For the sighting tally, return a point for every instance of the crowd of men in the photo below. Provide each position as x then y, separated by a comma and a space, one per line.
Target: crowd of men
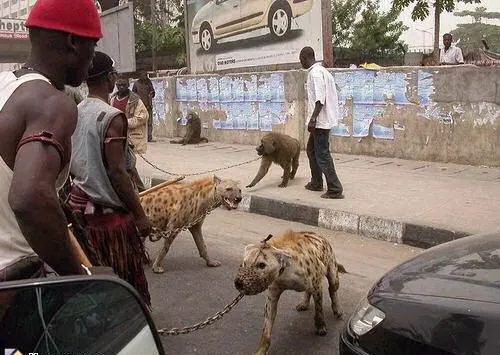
57, 143
86, 153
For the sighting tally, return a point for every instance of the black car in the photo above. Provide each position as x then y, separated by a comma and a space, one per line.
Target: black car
444, 301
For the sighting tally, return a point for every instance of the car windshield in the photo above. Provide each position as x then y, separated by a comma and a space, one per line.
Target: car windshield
475, 259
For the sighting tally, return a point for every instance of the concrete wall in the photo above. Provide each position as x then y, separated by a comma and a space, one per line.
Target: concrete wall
448, 114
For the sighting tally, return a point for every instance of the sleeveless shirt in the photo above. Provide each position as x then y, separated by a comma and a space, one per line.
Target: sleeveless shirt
13, 245
87, 163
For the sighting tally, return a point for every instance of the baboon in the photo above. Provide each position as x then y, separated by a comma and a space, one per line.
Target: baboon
193, 131
280, 149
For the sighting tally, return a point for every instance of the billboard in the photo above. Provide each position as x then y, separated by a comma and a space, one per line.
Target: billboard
13, 28
231, 34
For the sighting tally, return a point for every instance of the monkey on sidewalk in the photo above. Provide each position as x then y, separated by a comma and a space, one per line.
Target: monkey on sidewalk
280, 149
193, 131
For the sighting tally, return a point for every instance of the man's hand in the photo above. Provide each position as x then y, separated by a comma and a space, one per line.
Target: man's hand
143, 226
311, 126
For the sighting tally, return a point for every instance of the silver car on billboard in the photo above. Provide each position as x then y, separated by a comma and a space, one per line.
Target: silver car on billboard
224, 18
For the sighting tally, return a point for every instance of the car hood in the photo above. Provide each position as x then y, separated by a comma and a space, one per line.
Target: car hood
467, 268
204, 14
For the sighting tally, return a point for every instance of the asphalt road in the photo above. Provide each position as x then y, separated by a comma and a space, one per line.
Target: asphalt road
189, 292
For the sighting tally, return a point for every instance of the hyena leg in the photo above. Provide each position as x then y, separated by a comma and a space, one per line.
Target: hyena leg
157, 268
270, 311
304, 305
200, 244
319, 318
332, 276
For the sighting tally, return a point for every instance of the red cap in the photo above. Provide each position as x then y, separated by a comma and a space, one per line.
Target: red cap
79, 17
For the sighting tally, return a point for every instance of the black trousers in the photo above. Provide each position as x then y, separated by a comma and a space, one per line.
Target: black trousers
321, 162
150, 125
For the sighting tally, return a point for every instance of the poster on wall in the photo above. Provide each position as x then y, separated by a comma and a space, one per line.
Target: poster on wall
230, 34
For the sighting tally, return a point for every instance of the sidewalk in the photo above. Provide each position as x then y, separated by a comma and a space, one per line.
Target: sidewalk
402, 201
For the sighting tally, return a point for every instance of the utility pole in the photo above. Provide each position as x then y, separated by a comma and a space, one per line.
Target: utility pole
153, 40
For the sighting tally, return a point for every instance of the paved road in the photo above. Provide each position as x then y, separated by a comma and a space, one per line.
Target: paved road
189, 292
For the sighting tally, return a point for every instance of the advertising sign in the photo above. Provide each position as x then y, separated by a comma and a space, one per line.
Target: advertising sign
230, 34
11, 28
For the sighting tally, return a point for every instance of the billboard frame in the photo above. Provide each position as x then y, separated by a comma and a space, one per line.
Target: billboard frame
326, 25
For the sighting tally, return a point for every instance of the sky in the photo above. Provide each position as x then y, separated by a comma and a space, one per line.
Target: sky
416, 38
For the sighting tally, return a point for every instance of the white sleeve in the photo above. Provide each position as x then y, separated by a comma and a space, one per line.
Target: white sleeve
318, 87
459, 56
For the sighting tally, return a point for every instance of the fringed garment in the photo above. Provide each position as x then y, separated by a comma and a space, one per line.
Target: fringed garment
114, 241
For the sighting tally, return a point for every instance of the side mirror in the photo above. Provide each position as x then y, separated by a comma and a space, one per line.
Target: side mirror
75, 315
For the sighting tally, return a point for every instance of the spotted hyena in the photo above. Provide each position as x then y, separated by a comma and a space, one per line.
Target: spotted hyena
180, 204
293, 261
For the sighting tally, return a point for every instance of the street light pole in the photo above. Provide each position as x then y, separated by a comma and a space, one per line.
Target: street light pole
153, 34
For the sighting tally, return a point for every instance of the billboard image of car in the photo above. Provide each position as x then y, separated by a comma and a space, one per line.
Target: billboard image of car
227, 34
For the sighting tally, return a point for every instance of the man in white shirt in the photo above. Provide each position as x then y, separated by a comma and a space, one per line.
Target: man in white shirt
322, 102
450, 55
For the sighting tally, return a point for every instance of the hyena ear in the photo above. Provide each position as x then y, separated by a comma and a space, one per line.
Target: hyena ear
217, 180
282, 256
250, 247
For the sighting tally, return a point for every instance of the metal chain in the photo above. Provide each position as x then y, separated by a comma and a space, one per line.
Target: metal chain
200, 173
158, 234
201, 325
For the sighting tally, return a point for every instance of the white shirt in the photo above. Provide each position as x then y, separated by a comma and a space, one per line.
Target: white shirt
452, 56
321, 87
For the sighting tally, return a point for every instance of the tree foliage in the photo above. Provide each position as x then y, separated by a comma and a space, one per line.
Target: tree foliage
378, 33
478, 14
421, 8
471, 35
344, 13
167, 27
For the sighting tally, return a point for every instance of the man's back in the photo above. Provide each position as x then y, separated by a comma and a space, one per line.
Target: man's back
321, 87
88, 167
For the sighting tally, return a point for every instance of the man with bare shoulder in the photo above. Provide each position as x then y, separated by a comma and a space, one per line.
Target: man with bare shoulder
37, 120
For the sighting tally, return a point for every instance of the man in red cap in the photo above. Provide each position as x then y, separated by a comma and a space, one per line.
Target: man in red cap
37, 120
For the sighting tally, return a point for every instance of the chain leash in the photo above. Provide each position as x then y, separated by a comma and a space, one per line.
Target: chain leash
201, 325
157, 234
200, 173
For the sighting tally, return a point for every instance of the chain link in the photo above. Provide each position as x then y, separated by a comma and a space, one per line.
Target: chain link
157, 234
200, 173
201, 325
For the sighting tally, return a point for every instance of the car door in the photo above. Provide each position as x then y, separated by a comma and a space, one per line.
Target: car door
253, 13
227, 17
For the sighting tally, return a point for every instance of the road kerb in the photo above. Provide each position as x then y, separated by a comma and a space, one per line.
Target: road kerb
368, 226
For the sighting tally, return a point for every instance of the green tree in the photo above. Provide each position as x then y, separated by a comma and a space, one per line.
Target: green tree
344, 13
471, 35
478, 14
377, 33
421, 10
160, 30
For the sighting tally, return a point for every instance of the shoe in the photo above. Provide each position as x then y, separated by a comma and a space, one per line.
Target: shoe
333, 195
312, 187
